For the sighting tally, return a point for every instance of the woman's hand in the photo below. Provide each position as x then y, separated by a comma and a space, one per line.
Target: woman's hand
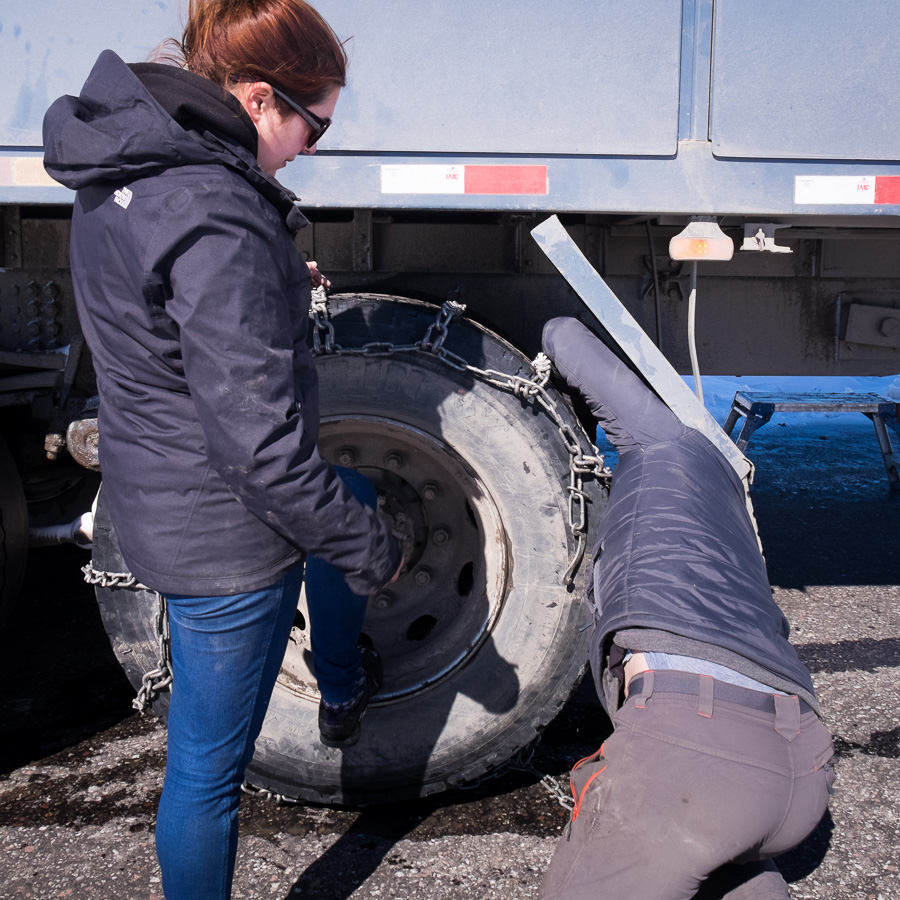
318, 279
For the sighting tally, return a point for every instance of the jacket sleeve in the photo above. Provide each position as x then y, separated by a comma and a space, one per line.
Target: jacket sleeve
237, 297
627, 409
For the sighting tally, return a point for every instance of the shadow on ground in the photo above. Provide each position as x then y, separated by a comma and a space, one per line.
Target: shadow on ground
60, 682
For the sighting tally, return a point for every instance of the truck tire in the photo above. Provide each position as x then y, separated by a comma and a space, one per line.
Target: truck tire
480, 638
13, 533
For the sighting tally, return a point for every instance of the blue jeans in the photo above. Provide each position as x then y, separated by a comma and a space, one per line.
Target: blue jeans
226, 654
336, 614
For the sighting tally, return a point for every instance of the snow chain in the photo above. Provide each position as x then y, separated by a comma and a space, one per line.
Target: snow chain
528, 389
156, 680
277, 799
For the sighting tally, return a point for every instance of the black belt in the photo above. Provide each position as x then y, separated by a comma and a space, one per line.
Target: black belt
669, 682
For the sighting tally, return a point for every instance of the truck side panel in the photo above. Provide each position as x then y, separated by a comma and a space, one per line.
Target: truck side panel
806, 80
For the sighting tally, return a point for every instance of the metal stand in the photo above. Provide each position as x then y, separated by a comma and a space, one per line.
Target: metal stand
757, 408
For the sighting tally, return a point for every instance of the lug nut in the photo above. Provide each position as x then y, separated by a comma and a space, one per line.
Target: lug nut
440, 535
383, 600
422, 577
393, 461
346, 456
429, 490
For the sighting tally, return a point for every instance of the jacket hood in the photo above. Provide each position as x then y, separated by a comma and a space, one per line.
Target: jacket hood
132, 121
115, 130
198, 105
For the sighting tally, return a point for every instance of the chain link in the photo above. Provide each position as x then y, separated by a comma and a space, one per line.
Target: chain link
124, 580
324, 329
157, 680
541, 365
534, 389
441, 326
559, 789
266, 794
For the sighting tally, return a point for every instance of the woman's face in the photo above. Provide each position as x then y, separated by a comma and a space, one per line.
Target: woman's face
282, 136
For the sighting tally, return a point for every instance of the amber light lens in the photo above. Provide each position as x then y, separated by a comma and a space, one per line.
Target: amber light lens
701, 248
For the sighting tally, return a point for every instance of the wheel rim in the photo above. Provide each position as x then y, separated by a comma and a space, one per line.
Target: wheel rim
434, 618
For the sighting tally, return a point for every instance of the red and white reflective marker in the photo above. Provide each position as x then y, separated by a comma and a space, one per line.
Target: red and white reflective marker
435, 179
847, 190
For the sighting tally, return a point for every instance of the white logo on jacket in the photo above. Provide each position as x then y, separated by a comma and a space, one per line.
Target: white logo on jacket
123, 197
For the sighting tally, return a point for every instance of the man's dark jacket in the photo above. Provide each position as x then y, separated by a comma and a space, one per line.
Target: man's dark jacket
677, 563
194, 302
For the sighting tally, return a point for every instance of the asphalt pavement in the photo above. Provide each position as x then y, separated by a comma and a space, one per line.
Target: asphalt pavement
80, 773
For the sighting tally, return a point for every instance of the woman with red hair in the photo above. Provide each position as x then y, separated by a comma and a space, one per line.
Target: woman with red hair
195, 301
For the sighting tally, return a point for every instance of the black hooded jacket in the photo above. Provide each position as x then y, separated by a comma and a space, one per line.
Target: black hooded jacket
195, 303
677, 565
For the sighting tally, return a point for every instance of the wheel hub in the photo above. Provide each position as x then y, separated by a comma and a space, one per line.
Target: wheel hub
437, 614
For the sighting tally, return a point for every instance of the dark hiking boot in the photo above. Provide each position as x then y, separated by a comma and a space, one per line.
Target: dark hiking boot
339, 726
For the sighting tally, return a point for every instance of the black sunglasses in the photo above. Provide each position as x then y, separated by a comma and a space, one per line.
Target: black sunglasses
318, 125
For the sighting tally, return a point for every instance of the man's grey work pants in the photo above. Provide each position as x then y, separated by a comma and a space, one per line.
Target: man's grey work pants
691, 786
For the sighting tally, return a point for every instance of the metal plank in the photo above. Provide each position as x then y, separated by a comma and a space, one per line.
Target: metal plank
562, 251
